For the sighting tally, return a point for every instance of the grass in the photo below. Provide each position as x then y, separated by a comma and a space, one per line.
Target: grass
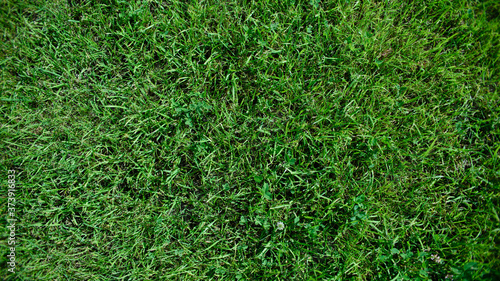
167, 140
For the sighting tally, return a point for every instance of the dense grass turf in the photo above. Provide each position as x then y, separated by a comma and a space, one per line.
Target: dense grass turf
238, 140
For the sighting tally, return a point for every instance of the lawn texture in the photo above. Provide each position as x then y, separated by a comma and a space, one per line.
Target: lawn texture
251, 140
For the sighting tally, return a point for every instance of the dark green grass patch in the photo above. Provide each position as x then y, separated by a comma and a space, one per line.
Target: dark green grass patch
240, 140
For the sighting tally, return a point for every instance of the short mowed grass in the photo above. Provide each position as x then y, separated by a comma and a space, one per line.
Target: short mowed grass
165, 140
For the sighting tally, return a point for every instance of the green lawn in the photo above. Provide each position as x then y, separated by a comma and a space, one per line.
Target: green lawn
250, 140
